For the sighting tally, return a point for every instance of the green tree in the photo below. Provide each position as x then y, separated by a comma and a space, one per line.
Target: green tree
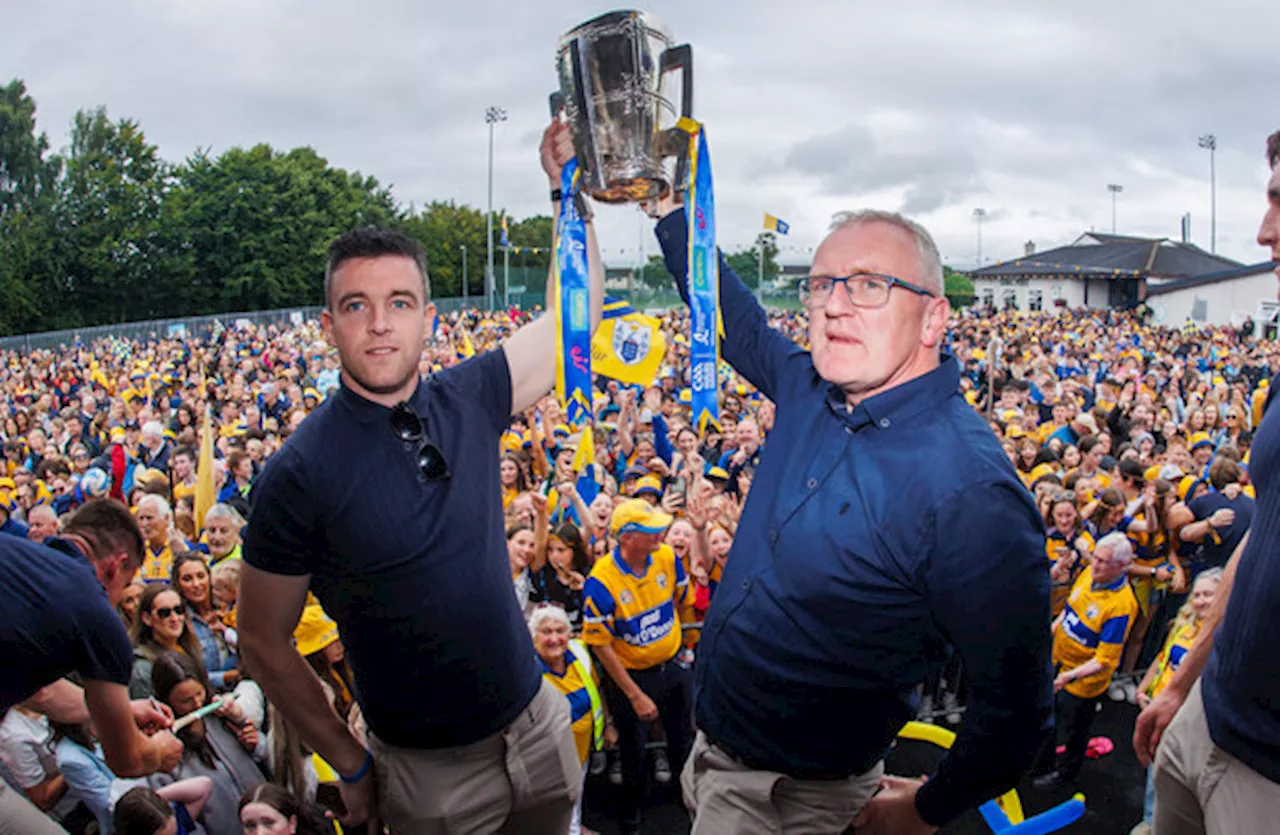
746, 262
957, 287
248, 230
28, 234
444, 228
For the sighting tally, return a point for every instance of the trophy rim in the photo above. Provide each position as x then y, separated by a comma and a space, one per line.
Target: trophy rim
646, 19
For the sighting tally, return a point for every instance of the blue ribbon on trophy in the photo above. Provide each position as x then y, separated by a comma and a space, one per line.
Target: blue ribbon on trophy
573, 316
704, 281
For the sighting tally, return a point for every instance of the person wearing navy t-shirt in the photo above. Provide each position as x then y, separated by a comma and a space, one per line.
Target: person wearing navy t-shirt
1214, 731
386, 502
58, 600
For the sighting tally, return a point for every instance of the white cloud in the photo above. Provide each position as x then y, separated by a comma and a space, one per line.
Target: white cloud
1028, 110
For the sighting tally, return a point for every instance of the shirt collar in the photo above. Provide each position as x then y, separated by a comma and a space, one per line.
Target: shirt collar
902, 401
569, 660
366, 411
625, 568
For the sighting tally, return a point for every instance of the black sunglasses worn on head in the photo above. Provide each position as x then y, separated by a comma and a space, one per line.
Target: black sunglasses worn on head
411, 429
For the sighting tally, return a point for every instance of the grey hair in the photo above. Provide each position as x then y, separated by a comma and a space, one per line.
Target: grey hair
545, 613
225, 511
153, 429
1119, 546
926, 248
162, 506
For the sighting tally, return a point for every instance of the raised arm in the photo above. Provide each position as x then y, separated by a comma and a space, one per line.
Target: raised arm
531, 350
752, 347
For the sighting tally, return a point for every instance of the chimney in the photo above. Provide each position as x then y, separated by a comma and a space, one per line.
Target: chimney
1186, 228
1029, 248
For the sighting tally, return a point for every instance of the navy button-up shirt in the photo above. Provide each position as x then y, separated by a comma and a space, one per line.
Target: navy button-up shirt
873, 540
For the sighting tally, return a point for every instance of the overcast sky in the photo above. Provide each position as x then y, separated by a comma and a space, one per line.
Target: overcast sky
934, 108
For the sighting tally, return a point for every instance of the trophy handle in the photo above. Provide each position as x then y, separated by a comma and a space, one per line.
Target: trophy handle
681, 58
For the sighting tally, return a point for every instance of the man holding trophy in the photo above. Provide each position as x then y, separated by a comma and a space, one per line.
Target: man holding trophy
885, 526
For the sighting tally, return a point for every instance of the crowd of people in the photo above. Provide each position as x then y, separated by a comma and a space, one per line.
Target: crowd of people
1134, 441
297, 527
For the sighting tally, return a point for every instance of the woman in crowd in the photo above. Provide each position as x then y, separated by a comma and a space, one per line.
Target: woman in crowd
217, 642
559, 564
128, 605
318, 642
513, 479
567, 664
222, 526
1067, 545
224, 746
520, 543
268, 809
161, 626
143, 811
1182, 635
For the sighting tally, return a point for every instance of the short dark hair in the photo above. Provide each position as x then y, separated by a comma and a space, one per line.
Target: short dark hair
1273, 149
373, 242
108, 527
141, 812
1223, 471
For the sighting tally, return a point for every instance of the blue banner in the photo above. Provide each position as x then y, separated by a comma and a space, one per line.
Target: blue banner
704, 281
573, 316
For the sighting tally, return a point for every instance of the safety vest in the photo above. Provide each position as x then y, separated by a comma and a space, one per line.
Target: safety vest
582, 662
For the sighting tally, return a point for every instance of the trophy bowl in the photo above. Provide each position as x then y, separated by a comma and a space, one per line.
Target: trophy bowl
613, 72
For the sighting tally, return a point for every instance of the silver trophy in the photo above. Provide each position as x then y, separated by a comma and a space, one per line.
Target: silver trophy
612, 72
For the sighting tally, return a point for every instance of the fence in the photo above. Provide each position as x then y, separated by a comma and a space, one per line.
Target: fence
200, 327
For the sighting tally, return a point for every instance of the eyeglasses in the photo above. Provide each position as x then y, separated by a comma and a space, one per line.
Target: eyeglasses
864, 289
410, 429
163, 613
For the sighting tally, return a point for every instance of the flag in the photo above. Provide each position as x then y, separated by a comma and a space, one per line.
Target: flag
466, 350
628, 346
773, 224
205, 493
504, 229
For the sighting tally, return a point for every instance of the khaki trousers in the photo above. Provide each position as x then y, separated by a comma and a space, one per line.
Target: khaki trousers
724, 795
1201, 789
524, 779
19, 817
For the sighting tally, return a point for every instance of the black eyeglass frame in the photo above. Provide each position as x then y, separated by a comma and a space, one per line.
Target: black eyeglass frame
805, 294
409, 427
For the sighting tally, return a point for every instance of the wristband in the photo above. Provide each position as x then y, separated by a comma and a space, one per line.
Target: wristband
364, 769
556, 195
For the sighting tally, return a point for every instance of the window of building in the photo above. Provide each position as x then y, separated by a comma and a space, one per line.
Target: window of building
1035, 300
1010, 298
988, 297
1200, 310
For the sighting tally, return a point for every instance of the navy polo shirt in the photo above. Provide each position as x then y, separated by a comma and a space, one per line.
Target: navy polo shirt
415, 573
1240, 686
871, 541
57, 620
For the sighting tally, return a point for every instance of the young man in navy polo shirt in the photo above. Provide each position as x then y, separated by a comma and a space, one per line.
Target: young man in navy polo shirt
386, 503
1215, 738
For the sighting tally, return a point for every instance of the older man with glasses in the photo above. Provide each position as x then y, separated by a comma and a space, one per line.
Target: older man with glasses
885, 529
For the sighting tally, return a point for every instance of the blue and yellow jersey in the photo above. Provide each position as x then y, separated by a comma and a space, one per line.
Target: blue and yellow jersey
573, 687
1149, 548
1095, 624
1055, 540
638, 614
157, 565
1175, 649
713, 578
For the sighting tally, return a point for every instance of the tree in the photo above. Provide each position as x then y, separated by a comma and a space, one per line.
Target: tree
746, 262
957, 287
444, 228
249, 230
28, 237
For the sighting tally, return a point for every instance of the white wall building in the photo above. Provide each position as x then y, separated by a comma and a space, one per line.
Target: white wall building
1225, 298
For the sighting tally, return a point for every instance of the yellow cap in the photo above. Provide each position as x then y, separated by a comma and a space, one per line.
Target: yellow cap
314, 631
638, 516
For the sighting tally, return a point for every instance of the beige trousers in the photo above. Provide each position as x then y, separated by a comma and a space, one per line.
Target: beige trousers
19, 817
1203, 790
723, 795
524, 779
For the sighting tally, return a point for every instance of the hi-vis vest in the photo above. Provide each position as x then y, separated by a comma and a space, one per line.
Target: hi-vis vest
582, 662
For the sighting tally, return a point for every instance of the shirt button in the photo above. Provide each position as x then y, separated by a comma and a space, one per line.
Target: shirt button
848, 430
813, 482
746, 585
884, 423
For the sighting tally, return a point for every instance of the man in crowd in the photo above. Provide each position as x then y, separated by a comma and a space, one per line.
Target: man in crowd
154, 450
42, 522
1215, 738
1088, 641
845, 580
634, 604
413, 566
59, 618
1223, 517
